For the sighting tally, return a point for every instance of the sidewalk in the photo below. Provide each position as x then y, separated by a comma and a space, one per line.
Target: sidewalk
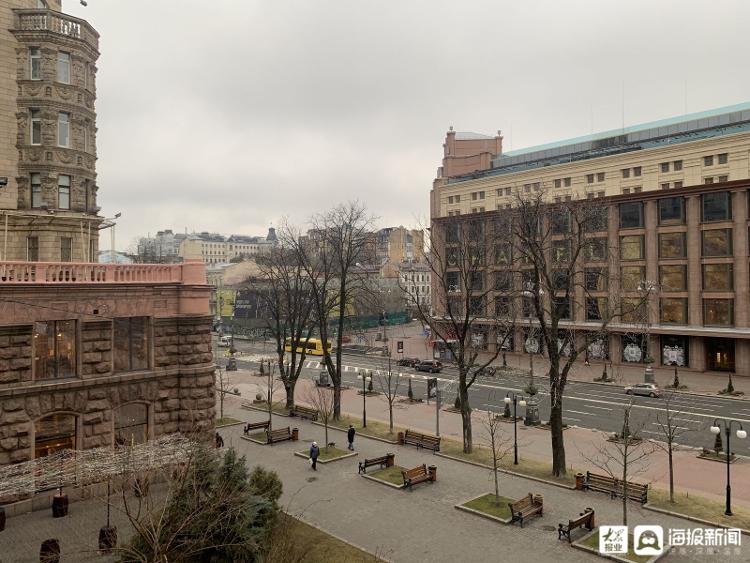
692, 475
416, 345
423, 525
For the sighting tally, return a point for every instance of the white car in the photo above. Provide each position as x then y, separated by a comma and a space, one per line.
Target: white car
646, 389
225, 341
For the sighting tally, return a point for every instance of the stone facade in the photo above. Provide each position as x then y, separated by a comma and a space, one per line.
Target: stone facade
48, 159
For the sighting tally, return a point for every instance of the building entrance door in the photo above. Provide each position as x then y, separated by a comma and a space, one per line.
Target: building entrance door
720, 354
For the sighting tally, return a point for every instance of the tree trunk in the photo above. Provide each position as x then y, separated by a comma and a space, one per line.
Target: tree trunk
558, 444
625, 489
390, 414
671, 473
326, 426
289, 389
465, 416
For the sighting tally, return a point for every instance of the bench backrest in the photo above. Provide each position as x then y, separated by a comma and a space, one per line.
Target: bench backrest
280, 432
374, 460
522, 503
415, 472
585, 517
421, 437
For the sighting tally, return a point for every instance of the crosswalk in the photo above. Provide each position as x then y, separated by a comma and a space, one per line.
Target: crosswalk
312, 364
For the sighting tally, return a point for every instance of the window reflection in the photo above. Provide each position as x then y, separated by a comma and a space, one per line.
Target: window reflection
131, 343
54, 349
131, 424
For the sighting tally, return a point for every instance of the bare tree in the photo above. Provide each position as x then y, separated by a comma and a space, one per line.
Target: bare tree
284, 288
623, 457
565, 272
389, 383
322, 399
338, 241
222, 386
499, 447
666, 420
270, 386
461, 291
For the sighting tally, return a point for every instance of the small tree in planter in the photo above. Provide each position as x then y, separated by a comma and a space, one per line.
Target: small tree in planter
322, 399
718, 446
499, 446
410, 393
369, 385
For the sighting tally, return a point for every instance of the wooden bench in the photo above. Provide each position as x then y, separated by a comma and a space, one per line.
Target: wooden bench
415, 475
304, 412
382, 461
614, 487
525, 507
279, 435
256, 426
585, 519
422, 440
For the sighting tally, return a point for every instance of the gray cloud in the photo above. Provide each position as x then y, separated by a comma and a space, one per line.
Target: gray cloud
226, 115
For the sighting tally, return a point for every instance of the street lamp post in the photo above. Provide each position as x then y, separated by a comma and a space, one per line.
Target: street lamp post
366, 378
518, 400
646, 288
741, 434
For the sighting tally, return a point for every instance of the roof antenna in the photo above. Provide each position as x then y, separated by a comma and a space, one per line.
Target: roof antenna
623, 106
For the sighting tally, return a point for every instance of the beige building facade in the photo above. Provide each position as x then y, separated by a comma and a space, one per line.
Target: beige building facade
48, 191
399, 244
675, 195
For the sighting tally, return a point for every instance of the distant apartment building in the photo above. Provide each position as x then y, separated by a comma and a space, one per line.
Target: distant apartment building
399, 244
213, 248
415, 281
675, 198
162, 248
91, 355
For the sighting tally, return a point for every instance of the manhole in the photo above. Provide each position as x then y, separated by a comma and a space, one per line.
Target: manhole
549, 528
311, 479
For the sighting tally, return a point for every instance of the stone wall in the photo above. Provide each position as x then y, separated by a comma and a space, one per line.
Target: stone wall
15, 354
96, 348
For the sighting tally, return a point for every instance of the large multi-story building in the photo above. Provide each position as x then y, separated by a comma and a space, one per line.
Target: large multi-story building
676, 200
90, 354
48, 190
399, 244
213, 248
162, 248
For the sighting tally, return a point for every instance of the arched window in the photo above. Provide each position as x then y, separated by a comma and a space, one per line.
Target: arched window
131, 424
53, 433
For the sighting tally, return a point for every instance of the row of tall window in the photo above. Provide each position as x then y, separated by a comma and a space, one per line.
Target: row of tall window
63, 192
715, 207
66, 249
63, 67
63, 129
55, 347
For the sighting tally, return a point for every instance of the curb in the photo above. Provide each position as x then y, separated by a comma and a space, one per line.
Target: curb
254, 408
480, 513
647, 506
371, 478
339, 538
229, 424
693, 393
577, 545
304, 456
508, 472
253, 440
370, 436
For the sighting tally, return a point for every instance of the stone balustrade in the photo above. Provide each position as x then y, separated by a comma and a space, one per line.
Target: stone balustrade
14, 273
56, 22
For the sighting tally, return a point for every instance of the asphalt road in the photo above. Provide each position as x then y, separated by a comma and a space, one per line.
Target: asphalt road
588, 405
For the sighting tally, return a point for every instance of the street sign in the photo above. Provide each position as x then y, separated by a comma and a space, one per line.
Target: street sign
400, 346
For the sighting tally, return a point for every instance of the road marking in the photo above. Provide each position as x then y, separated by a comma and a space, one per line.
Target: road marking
673, 427
595, 407
579, 412
570, 418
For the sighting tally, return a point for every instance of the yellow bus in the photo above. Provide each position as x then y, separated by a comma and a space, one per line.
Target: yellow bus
311, 346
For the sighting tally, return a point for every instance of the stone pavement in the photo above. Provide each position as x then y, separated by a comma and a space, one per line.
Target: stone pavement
692, 475
423, 525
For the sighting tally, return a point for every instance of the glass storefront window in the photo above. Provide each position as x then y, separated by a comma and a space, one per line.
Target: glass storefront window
633, 348
633, 310
131, 424
596, 308
632, 276
631, 247
672, 245
673, 278
674, 351
597, 220
596, 249
596, 279
717, 242
131, 343
54, 349
631, 215
718, 312
561, 250
719, 354
674, 310
672, 211
716, 207
54, 433
718, 277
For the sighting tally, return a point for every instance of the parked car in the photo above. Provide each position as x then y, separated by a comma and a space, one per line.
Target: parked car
433, 366
225, 341
647, 389
410, 362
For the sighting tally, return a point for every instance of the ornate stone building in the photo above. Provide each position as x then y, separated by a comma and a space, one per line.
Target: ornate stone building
48, 191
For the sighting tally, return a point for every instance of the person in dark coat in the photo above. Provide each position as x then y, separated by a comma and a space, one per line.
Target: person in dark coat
314, 453
350, 437
219, 441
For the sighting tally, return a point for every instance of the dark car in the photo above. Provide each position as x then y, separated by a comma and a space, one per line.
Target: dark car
410, 362
433, 366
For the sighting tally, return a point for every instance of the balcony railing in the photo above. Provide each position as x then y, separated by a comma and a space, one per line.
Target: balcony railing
56, 22
15, 273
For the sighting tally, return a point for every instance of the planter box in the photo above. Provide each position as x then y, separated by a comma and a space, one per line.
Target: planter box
721, 458
323, 462
615, 557
462, 506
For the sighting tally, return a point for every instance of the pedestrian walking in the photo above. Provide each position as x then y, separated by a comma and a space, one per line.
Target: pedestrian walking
314, 453
350, 437
219, 441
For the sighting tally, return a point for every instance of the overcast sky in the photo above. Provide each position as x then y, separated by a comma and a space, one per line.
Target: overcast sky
227, 115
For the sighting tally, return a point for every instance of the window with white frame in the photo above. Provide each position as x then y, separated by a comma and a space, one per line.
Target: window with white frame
63, 191
63, 67
36, 126
63, 129
36, 189
35, 63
